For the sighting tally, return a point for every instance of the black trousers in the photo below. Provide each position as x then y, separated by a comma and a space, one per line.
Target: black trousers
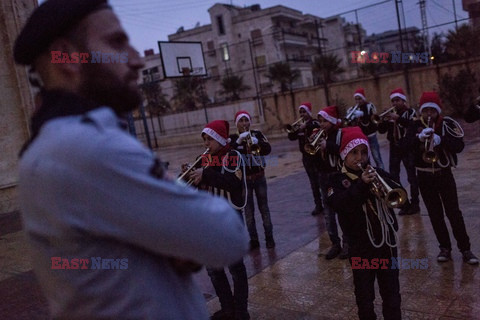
397, 156
439, 192
311, 167
388, 284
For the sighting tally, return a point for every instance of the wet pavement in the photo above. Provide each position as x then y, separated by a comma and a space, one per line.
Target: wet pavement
291, 281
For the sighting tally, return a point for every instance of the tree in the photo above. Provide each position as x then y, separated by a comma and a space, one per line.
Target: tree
157, 103
458, 91
282, 73
438, 48
327, 66
233, 85
188, 92
462, 43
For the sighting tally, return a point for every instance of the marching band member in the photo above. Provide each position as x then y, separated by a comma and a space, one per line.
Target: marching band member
224, 175
309, 162
362, 113
436, 140
395, 124
329, 162
253, 145
369, 224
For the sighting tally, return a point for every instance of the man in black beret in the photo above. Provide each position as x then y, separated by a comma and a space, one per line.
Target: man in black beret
113, 236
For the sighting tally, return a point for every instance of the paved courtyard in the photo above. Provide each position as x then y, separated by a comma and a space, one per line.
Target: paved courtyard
291, 281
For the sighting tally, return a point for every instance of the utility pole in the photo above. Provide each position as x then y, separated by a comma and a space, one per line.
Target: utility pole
405, 66
426, 38
320, 51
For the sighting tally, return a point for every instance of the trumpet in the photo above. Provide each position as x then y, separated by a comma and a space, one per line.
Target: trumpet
253, 147
350, 117
394, 198
429, 155
313, 147
377, 118
192, 168
294, 127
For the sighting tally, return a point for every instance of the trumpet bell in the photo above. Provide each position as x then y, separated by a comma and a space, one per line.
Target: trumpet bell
310, 149
429, 156
396, 198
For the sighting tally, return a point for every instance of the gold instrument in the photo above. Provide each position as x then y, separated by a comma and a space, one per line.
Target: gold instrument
294, 127
377, 118
429, 155
253, 147
313, 147
192, 167
350, 117
394, 198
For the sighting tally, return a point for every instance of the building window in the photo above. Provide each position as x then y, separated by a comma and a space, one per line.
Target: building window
225, 54
256, 36
211, 48
221, 27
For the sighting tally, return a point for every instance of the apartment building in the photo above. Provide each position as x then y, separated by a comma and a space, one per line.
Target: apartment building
245, 41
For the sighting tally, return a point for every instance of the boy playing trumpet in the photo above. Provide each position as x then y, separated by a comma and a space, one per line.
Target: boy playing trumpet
369, 223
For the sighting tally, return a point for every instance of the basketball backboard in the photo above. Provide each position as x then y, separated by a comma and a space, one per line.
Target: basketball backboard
181, 59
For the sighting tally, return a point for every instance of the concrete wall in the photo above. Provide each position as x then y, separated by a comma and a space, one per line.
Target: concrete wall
279, 109
16, 102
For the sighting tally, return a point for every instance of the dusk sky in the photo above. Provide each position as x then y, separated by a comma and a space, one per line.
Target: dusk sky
149, 21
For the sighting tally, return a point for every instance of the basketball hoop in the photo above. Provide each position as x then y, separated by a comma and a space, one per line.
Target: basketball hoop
186, 71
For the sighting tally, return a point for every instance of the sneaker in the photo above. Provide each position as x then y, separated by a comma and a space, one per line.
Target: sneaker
223, 315
270, 242
469, 257
444, 255
344, 254
333, 252
414, 209
254, 244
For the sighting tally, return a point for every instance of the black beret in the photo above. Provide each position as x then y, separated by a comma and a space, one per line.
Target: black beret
51, 20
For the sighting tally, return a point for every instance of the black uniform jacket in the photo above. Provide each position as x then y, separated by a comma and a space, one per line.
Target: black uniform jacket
350, 197
365, 122
303, 135
220, 181
401, 125
257, 164
330, 159
451, 144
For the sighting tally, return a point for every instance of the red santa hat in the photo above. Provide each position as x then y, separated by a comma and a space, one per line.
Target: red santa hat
307, 106
240, 114
330, 114
430, 100
398, 93
351, 138
218, 130
360, 92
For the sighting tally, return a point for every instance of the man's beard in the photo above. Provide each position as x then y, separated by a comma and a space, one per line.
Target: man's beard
101, 86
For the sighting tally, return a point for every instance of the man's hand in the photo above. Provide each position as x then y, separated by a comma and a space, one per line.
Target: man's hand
426, 133
195, 176
368, 175
242, 137
358, 113
392, 116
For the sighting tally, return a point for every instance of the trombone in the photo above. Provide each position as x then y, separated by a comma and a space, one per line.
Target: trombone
377, 118
429, 155
253, 147
294, 127
394, 198
313, 147
191, 168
